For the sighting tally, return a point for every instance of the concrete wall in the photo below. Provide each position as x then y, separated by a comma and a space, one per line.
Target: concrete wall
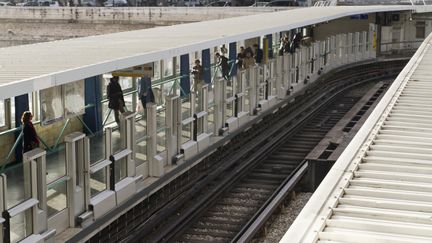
25, 32
147, 15
19, 25
342, 25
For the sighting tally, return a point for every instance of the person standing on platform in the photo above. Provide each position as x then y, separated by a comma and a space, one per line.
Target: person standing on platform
197, 71
240, 57
223, 63
145, 92
115, 98
30, 138
258, 54
248, 61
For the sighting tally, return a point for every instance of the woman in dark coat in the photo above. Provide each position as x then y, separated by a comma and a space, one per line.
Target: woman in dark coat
115, 98
30, 139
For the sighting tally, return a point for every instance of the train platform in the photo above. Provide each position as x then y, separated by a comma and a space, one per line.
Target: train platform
380, 188
97, 180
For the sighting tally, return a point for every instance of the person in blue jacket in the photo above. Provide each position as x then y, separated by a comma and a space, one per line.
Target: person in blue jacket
145, 92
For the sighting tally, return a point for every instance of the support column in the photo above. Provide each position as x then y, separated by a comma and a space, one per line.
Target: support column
93, 96
219, 102
77, 202
21, 105
173, 131
152, 140
280, 89
184, 73
253, 74
233, 58
206, 64
269, 51
35, 189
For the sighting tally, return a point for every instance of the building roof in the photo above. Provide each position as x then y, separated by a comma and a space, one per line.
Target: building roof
28, 68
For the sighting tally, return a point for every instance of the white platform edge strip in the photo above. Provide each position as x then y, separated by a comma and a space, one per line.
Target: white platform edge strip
311, 219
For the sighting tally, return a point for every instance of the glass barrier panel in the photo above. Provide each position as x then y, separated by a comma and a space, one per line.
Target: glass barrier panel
97, 147
120, 169
261, 92
229, 89
186, 107
126, 82
56, 164
160, 133
19, 226
118, 141
141, 151
15, 187
2, 113
98, 182
186, 133
210, 118
229, 110
56, 196
129, 102
140, 128
160, 140
168, 87
105, 112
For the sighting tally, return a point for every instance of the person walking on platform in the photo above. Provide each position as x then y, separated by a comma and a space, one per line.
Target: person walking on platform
30, 138
258, 54
284, 46
197, 71
223, 64
115, 98
145, 92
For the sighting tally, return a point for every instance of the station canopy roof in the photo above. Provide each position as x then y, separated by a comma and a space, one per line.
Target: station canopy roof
27, 68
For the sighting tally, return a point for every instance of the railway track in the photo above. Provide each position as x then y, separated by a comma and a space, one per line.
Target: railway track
165, 220
223, 220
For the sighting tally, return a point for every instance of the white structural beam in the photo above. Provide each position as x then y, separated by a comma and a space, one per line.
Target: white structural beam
28, 68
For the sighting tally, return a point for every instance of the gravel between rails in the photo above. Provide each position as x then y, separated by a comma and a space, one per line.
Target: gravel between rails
284, 218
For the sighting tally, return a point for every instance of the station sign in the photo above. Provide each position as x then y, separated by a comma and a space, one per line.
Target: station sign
136, 72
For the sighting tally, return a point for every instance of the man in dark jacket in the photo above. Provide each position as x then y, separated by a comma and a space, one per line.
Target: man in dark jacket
223, 63
258, 54
115, 98
197, 71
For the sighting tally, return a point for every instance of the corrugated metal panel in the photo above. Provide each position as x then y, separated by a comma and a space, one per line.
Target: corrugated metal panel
384, 193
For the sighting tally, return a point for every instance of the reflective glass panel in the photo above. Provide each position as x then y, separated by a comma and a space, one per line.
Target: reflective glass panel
168, 67
108, 114
129, 102
19, 227
141, 151
186, 133
126, 82
120, 170
98, 182
56, 197
229, 110
16, 185
97, 147
2, 113
118, 140
186, 107
210, 118
56, 164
